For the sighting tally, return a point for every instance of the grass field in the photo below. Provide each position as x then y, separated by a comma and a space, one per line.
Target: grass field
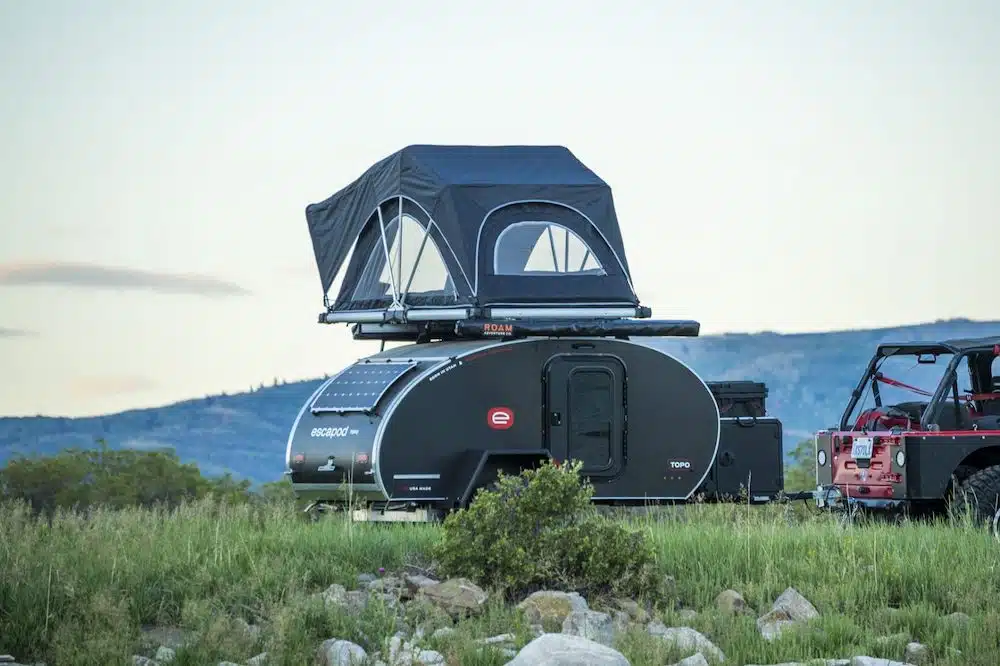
79, 589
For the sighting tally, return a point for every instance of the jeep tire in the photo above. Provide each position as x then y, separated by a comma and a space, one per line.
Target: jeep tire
978, 496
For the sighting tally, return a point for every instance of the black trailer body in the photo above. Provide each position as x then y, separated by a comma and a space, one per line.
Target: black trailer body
644, 425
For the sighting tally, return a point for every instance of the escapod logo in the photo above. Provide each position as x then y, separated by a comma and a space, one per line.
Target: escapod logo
500, 418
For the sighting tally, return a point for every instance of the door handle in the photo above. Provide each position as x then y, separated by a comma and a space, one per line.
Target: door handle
555, 418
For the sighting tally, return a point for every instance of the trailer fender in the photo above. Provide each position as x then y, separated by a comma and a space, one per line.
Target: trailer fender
510, 461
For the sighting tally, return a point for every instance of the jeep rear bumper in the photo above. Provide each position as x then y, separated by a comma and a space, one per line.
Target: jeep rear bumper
830, 496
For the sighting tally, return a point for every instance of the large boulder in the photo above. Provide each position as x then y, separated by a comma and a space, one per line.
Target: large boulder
336, 652
550, 608
458, 597
685, 639
595, 625
567, 650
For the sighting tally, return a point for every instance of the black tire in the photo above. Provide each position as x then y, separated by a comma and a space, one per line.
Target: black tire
978, 497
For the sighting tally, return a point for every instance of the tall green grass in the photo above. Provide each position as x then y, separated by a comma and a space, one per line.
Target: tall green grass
77, 589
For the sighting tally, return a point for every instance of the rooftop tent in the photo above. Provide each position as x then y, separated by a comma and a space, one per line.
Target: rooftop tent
446, 229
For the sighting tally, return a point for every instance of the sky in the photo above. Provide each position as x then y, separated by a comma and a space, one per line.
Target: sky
783, 166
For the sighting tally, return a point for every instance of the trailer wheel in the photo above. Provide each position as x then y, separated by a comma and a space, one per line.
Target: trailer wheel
978, 496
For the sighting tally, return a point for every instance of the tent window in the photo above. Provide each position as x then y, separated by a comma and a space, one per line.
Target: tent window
414, 266
543, 248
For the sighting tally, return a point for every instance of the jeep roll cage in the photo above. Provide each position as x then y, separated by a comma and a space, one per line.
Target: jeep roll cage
984, 385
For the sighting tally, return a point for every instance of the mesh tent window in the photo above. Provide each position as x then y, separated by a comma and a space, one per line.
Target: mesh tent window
543, 248
405, 262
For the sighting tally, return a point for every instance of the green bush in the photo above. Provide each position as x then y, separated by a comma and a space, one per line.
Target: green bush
116, 478
539, 530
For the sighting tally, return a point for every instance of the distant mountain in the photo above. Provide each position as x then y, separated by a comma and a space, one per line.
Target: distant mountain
809, 378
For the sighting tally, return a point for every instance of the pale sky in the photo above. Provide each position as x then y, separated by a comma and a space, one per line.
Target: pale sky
776, 165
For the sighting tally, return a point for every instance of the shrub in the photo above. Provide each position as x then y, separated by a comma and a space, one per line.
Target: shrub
113, 478
539, 530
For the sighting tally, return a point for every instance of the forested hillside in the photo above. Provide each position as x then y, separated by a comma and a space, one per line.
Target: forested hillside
809, 377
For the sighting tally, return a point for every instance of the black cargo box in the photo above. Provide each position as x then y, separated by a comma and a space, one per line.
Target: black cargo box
740, 399
750, 456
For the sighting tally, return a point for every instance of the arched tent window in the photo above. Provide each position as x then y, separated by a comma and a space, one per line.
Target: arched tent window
412, 266
546, 253
543, 248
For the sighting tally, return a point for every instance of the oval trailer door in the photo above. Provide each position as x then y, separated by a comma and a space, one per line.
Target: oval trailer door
585, 412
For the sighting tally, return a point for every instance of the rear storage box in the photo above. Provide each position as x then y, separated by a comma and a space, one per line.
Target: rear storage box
740, 399
750, 456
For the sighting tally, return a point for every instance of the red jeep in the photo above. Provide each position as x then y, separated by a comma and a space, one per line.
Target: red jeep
922, 428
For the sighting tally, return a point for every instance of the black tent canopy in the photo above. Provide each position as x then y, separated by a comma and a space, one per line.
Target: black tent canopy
452, 231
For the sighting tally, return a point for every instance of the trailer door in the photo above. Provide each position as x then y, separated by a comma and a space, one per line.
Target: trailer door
585, 407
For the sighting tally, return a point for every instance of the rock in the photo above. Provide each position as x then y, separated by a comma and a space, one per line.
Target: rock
687, 614
429, 658
164, 655
259, 660
500, 639
697, 659
456, 596
172, 637
550, 608
771, 623
139, 660
916, 653
366, 579
390, 584
402, 653
227, 663
957, 618
595, 625
789, 608
621, 622
876, 661
335, 594
685, 639
634, 610
443, 632
336, 652
731, 602
536, 629
416, 582
567, 650
425, 615
799, 608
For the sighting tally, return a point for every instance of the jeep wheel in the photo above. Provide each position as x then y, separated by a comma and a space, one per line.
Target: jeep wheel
978, 497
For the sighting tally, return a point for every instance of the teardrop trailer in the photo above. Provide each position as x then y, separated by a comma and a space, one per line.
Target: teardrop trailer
502, 271
916, 457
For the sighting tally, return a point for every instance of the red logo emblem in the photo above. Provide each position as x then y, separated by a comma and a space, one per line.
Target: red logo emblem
500, 418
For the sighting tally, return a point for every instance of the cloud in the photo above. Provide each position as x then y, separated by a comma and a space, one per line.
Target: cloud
111, 385
16, 333
95, 276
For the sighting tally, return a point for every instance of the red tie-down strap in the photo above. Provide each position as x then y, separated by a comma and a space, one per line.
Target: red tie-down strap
981, 397
977, 397
892, 382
